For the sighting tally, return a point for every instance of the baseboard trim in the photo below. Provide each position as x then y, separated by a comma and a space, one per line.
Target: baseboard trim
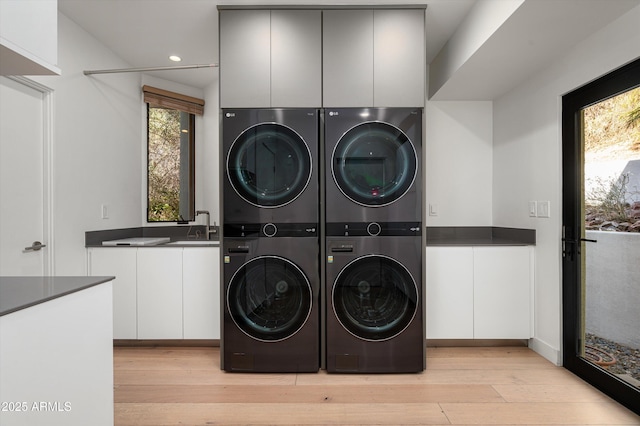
546, 350
433, 343
167, 342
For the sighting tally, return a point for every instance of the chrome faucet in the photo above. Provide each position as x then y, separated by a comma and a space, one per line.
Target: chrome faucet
207, 223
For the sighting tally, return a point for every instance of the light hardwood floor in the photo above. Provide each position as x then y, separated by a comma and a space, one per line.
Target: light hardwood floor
461, 386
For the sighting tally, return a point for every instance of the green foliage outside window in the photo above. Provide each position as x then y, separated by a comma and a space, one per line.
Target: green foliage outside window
164, 165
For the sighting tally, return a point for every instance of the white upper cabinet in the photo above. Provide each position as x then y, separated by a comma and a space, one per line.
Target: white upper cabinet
399, 54
296, 61
270, 58
374, 58
29, 37
245, 52
347, 58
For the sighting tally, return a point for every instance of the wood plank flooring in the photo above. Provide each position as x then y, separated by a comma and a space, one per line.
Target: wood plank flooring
461, 386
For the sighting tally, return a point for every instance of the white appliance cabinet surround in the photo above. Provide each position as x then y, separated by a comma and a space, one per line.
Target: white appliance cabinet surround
29, 37
373, 58
322, 58
162, 292
479, 292
270, 58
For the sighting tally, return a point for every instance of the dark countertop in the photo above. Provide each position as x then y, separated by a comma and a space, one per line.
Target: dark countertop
17, 293
187, 233
479, 236
183, 236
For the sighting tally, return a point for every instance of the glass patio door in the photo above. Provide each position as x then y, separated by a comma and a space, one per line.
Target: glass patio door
601, 233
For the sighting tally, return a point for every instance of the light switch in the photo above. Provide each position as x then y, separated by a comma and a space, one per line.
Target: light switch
533, 209
544, 209
433, 210
104, 211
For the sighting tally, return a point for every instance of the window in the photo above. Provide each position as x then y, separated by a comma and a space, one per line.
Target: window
170, 155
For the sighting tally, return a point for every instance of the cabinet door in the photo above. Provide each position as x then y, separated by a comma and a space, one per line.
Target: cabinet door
296, 58
29, 37
502, 292
399, 58
347, 56
449, 292
245, 49
120, 263
159, 293
201, 292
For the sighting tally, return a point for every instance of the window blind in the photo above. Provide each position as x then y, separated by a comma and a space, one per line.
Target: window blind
166, 99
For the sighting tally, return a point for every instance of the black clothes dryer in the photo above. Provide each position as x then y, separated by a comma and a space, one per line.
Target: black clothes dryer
271, 314
373, 170
270, 161
375, 317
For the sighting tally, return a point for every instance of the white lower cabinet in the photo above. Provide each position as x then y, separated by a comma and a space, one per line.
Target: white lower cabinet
159, 279
200, 297
120, 263
162, 292
449, 292
502, 282
479, 292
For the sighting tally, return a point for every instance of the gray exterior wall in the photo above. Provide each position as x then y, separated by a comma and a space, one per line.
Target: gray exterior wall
613, 286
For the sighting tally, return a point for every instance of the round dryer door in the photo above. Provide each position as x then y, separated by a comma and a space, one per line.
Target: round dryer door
269, 298
269, 165
375, 298
374, 164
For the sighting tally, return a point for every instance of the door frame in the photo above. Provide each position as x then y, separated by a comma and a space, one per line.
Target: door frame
47, 169
618, 81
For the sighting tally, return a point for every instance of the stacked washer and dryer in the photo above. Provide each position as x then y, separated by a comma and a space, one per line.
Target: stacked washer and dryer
271, 293
368, 304
373, 282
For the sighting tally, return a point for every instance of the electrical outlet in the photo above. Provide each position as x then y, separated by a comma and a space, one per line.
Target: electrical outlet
533, 209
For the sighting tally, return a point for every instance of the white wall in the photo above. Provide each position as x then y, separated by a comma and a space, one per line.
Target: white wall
459, 162
100, 145
208, 163
484, 18
96, 146
527, 158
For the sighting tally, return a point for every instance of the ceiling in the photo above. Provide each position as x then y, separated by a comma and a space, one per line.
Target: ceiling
145, 32
130, 28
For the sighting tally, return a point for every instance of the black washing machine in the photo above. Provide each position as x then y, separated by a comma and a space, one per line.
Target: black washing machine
271, 165
374, 312
271, 314
373, 166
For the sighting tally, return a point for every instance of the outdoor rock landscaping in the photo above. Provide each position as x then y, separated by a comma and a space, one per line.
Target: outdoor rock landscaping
627, 360
598, 220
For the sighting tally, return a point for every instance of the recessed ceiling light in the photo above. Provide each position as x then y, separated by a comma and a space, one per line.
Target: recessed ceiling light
175, 58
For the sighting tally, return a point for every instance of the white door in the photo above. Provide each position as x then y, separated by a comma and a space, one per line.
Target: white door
24, 169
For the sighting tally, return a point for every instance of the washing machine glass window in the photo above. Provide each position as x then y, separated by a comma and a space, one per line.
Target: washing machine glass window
269, 298
374, 164
269, 165
375, 297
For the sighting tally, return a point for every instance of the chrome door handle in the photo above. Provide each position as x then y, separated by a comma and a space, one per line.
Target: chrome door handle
37, 245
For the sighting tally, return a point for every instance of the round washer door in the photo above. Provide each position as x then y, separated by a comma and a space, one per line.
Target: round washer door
374, 164
269, 298
269, 165
375, 297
